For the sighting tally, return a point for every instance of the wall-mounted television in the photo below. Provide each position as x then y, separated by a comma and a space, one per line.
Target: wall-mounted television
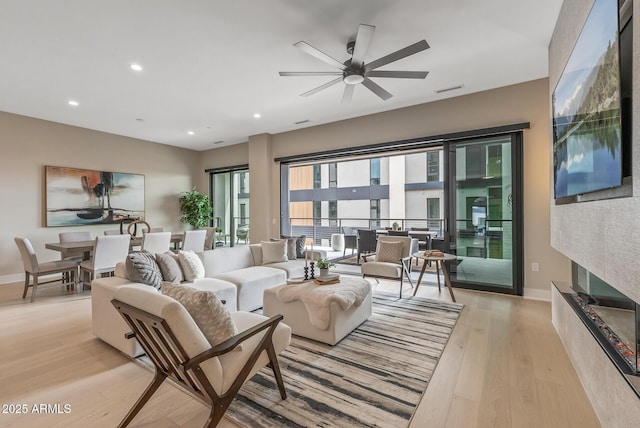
587, 140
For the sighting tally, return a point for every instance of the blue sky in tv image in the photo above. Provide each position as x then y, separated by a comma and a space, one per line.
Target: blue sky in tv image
600, 30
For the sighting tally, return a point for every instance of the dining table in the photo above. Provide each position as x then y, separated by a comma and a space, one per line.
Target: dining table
86, 247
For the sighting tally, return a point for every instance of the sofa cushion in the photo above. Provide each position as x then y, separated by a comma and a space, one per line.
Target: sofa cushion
226, 259
251, 283
208, 312
300, 243
291, 247
274, 252
142, 267
170, 267
191, 264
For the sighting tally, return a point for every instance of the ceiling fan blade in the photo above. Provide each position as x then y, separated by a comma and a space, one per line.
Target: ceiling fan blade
319, 54
399, 54
311, 73
363, 39
321, 87
348, 93
398, 74
376, 89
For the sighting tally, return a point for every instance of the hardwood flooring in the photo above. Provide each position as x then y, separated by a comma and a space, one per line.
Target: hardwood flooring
504, 366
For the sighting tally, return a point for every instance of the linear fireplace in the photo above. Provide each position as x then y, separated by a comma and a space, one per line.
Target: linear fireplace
611, 317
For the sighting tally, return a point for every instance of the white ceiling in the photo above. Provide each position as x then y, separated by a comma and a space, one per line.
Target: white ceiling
209, 65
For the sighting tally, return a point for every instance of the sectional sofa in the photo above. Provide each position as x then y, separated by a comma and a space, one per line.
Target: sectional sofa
236, 274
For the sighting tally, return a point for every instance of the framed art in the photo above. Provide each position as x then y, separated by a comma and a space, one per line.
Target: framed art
77, 197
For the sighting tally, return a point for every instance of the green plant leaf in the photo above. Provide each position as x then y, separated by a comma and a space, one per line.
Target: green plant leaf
195, 208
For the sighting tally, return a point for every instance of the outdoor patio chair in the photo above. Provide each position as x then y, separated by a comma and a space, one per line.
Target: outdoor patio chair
367, 240
350, 239
179, 350
242, 233
391, 260
35, 269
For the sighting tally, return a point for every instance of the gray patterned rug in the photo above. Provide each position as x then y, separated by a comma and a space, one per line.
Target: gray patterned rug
374, 377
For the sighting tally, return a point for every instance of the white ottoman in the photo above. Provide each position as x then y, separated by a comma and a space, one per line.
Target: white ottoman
296, 316
337, 241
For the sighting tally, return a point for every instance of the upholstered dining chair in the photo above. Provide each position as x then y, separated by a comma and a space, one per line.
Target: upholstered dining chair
392, 259
73, 237
34, 269
194, 240
209, 238
156, 242
179, 350
107, 252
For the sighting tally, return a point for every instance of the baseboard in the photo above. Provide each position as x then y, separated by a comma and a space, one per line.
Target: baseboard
534, 294
10, 279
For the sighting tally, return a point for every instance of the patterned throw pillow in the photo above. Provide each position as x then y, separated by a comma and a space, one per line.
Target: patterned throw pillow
300, 240
389, 251
208, 312
274, 252
170, 267
142, 267
191, 265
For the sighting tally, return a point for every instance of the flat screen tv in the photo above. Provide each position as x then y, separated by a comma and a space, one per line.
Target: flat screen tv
587, 144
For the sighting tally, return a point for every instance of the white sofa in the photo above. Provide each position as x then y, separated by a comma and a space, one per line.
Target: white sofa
235, 274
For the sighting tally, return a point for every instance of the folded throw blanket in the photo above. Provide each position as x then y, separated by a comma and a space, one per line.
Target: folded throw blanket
317, 298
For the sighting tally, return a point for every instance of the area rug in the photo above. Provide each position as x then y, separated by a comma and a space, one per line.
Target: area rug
374, 377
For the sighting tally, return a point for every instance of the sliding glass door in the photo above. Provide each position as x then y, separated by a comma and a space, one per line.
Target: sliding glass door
230, 197
484, 219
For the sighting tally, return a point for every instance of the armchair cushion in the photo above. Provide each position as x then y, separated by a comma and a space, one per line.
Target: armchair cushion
170, 267
142, 267
208, 312
191, 264
390, 252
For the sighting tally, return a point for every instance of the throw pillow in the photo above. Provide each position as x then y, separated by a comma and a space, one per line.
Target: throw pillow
389, 251
142, 267
300, 243
274, 252
208, 312
170, 267
191, 265
291, 247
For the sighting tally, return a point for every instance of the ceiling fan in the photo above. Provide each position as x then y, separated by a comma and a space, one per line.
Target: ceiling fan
354, 70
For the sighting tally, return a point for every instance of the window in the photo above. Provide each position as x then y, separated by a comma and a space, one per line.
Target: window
433, 166
374, 171
317, 213
317, 177
374, 213
333, 213
333, 175
433, 213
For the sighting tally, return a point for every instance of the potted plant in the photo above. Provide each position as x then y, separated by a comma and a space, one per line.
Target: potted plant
195, 208
324, 265
395, 225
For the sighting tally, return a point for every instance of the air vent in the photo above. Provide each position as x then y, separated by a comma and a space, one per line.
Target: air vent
301, 122
218, 142
453, 88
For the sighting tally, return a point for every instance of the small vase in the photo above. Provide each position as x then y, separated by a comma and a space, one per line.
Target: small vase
324, 272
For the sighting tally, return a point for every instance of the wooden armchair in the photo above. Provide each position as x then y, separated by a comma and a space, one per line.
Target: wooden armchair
179, 350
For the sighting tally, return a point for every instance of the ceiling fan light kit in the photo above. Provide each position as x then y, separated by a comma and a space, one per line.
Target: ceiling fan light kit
354, 71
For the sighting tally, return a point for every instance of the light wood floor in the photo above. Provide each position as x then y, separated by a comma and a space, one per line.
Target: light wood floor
504, 366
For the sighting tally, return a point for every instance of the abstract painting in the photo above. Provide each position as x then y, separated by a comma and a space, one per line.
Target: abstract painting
83, 196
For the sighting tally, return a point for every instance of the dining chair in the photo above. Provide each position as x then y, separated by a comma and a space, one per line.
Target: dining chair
156, 242
35, 269
194, 240
208, 241
73, 237
107, 252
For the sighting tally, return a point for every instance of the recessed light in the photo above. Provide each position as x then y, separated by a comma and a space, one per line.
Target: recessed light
256, 115
136, 67
73, 103
140, 119
190, 132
